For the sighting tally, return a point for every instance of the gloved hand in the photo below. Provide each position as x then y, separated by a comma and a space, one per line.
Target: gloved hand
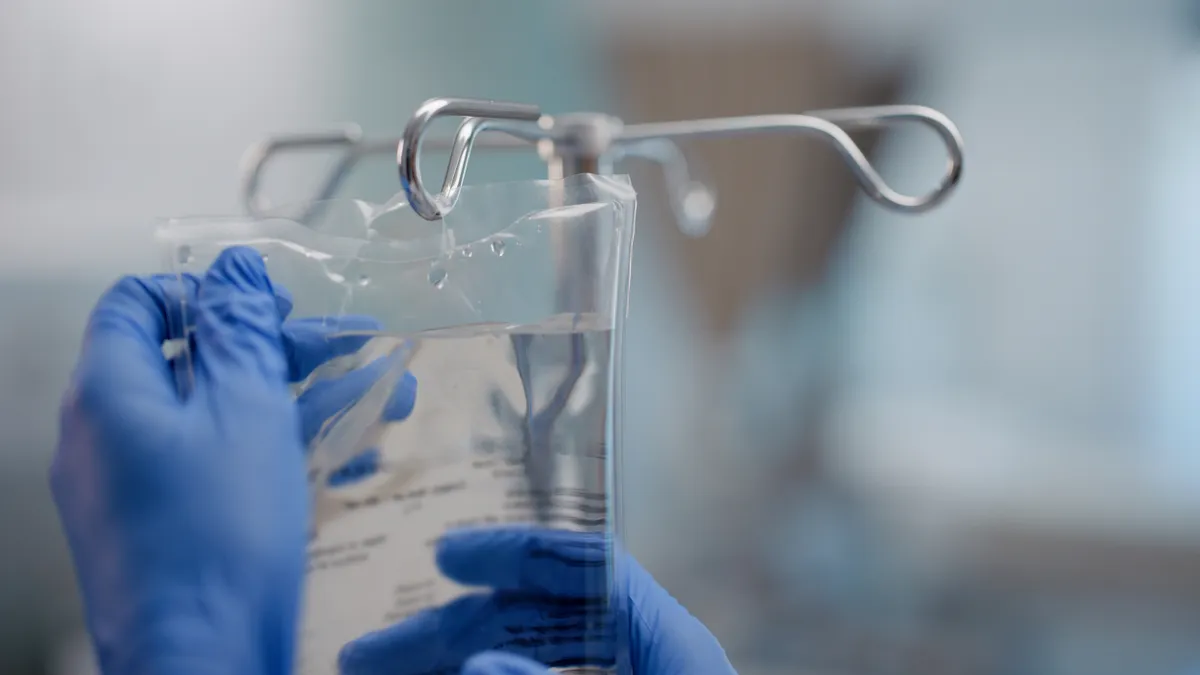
500, 663
187, 516
546, 589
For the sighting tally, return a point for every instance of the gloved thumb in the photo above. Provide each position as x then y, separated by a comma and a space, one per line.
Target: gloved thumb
499, 663
239, 329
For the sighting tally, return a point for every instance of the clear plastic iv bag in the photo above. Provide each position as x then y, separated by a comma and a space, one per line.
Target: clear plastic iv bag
463, 458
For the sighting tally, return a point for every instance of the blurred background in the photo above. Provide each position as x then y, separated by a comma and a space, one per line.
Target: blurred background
857, 442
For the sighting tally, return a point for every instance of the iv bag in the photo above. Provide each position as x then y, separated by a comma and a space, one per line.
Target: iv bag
506, 318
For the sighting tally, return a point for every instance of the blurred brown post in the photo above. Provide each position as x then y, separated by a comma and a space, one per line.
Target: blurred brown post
782, 199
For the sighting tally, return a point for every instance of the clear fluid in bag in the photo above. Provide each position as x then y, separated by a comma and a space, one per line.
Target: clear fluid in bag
511, 426
481, 402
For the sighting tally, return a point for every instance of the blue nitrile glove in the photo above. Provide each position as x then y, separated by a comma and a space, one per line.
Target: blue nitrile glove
500, 663
188, 518
546, 589
308, 347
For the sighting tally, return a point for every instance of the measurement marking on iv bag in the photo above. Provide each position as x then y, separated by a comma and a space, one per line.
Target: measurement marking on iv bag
581, 508
512, 451
532, 454
344, 554
556, 492
447, 488
472, 522
415, 495
408, 589
335, 563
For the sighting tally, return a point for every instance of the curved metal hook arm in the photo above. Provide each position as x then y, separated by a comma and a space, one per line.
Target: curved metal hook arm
692, 201
434, 207
522, 125
832, 125
353, 148
256, 158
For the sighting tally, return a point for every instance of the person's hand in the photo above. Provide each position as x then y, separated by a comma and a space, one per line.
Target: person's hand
545, 606
501, 663
187, 516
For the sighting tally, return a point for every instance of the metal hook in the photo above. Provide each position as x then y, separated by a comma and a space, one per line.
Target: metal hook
354, 147
878, 117
830, 125
256, 157
434, 207
520, 126
692, 201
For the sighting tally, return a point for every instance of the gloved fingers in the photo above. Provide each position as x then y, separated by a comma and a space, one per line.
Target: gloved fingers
357, 469
528, 560
416, 645
313, 341
501, 663
309, 342
183, 310
663, 636
327, 399
122, 352
558, 633
238, 325
283, 300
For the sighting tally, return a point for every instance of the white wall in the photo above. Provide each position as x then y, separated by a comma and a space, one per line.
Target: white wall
120, 111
